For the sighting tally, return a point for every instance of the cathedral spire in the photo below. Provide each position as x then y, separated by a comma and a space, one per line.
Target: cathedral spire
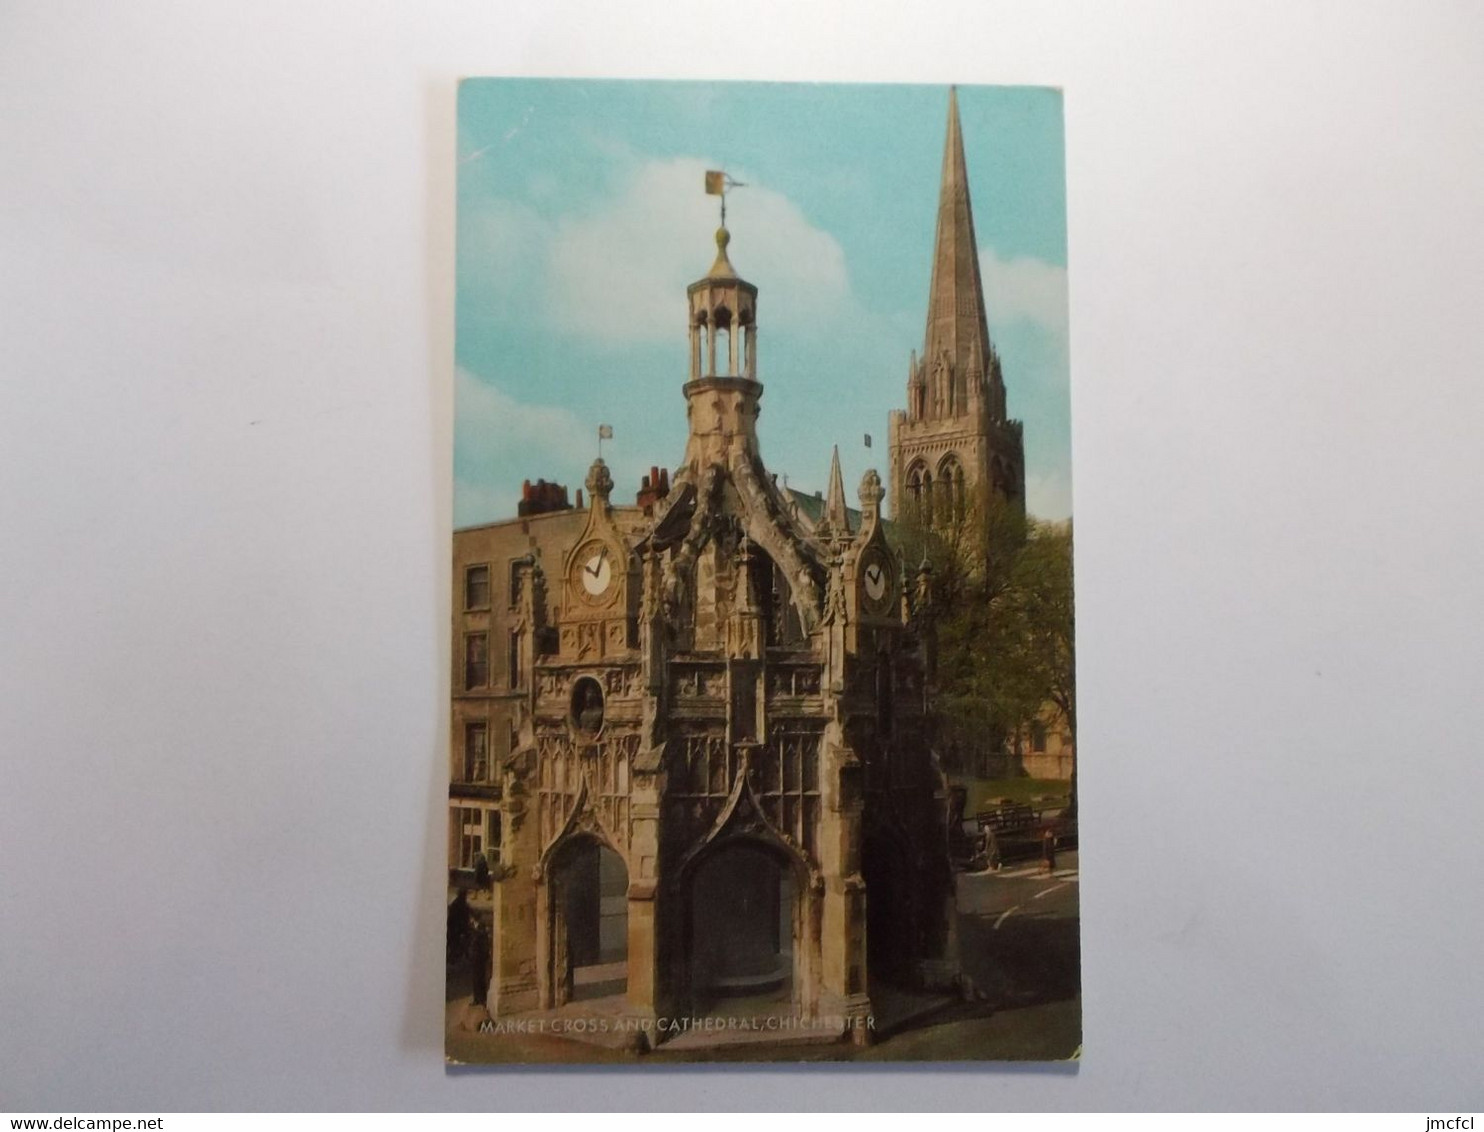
957, 330
954, 443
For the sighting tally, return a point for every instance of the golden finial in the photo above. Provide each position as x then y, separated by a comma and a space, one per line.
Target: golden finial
722, 268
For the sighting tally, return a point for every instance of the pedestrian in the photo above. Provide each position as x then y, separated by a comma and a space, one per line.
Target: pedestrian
1048, 850
459, 919
479, 974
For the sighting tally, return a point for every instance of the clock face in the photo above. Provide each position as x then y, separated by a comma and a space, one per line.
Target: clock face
593, 571
876, 576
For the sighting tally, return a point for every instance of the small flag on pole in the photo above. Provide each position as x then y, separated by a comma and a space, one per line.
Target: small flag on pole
605, 432
868, 440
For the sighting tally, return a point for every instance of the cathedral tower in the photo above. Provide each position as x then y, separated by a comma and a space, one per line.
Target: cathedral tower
955, 443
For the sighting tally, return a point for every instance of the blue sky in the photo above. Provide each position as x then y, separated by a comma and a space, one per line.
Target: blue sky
582, 218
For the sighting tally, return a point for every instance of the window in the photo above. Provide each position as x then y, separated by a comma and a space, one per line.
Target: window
476, 660
476, 751
914, 484
515, 581
920, 492
469, 830
951, 484
1038, 737
477, 587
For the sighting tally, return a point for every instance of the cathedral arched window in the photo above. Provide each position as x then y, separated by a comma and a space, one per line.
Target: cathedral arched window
915, 476
952, 488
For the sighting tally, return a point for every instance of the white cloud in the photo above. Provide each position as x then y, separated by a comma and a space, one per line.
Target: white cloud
500, 246
1024, 289
620, 273
1049, 495
1026, 299
500, 441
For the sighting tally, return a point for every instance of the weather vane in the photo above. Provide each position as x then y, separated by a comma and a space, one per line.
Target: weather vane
717, 184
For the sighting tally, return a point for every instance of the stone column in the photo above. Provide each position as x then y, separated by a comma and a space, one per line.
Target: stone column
843, 913
546, 977
513, 982
644, 974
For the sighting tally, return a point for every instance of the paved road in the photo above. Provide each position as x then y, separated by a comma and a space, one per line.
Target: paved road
1024, 889
1018, 932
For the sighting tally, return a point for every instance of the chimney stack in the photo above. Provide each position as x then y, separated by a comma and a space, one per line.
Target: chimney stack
653, 488
542, 497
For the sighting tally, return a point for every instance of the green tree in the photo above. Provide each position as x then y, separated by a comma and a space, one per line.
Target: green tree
1002, 595
1036, 620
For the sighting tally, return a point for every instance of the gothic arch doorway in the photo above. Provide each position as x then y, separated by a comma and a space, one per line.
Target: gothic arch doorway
588, 922
743, 927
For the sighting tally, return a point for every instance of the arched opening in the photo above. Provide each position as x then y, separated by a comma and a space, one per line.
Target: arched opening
699, 331
590, 929
951, 485
747, 329
916, 474
722, 343
1005, 480
890, 946
742, 928
781, 624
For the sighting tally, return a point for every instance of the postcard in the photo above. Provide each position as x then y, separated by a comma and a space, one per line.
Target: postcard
763, 716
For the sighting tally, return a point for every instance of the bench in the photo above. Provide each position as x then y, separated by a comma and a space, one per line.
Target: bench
1010, 829
1003, 831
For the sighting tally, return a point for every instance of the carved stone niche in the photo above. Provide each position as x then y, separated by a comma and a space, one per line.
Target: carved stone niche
587, 708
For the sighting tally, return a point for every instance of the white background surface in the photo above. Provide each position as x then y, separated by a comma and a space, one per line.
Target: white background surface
226, 321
